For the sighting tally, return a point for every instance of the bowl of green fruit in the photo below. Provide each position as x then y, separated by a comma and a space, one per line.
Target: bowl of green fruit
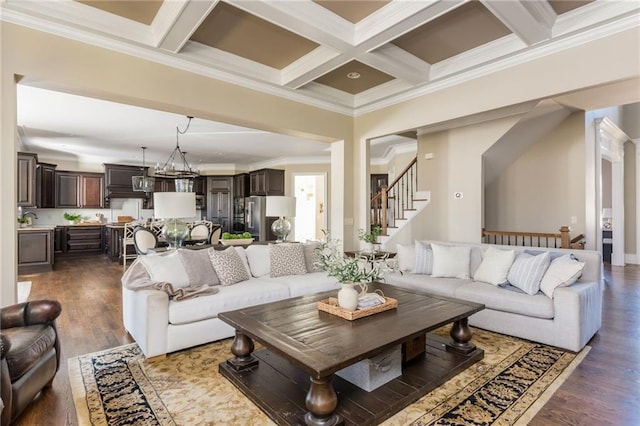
229, 239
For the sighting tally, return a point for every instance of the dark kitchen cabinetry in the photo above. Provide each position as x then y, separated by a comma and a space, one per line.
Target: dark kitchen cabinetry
35, 251
219, 201
241, 185
200, 185
78, 240
46, 185
113, 236
266, 182
118, 183
164, 185
26, 178
79, 190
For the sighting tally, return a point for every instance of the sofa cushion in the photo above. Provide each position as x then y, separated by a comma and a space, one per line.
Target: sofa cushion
287, 259
495, 266
166, 268
500, 299
246, 293
198, 266
405, 257
563, 271
258, 259
314, 282
527, 271
228, 266
423, 261
425, 283
451, 261
311, 255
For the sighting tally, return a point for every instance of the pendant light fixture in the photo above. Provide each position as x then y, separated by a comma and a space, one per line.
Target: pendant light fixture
177, 166
143, 182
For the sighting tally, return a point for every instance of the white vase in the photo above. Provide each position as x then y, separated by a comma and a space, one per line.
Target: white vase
348, 297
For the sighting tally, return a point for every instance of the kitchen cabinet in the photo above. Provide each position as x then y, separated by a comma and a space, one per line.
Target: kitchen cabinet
266, 182
83, 239
113, 236
241, 185
219, 183
26, 179
79, 190
46, 185
35, 251
164, 185
59, 240
200, 185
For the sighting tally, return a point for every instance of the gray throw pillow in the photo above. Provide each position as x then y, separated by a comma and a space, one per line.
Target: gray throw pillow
311, 256
198, 266
228, 266
287, 259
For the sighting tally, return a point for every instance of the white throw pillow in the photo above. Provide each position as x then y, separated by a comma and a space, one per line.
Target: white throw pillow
405, 257
287, 259
229, 266
258, 258
243, 257
563, 271
166, 268
451, 261
527, 271
495, 266
423, 259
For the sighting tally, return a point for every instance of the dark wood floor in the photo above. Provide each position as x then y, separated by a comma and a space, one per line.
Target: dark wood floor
603, 390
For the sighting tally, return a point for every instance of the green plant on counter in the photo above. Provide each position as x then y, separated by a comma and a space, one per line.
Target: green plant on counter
230, 236
24, 220
74, 217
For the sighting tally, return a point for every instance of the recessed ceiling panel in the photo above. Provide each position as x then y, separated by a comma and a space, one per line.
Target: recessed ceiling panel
466, 27
235, 31
563, 6
140, 11
367, 78
354, 10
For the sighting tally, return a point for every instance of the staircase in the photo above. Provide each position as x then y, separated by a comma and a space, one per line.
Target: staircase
397, 204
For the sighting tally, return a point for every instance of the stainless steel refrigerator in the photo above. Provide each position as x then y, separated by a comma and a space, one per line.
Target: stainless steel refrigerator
256, 222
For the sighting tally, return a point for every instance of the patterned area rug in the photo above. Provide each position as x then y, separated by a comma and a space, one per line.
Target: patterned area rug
119, 387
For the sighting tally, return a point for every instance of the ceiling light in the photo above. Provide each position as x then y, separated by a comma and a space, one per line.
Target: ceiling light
353, 75
182, 170
143, 182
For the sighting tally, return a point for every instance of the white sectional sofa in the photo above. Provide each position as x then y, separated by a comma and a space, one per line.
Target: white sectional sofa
162, 325
566, 318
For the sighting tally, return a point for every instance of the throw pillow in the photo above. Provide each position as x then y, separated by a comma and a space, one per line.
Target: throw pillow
228, 266
451, 261
527, 271
405, 257
243, 257
563, 271
495, 266
166, 268
423, 259
311, 255
258, 258
198, 267
287, 259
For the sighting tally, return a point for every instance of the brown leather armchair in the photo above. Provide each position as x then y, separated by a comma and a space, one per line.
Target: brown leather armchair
29, 353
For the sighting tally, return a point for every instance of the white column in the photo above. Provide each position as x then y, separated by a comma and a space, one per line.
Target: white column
637, 212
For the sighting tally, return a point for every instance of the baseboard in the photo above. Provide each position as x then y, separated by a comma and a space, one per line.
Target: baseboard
631, 258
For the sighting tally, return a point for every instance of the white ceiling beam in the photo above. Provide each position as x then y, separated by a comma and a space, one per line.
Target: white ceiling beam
532, 21
311, 66
398, 63
177, 20
305, 18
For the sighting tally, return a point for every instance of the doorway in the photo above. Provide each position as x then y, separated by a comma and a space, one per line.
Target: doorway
311, 205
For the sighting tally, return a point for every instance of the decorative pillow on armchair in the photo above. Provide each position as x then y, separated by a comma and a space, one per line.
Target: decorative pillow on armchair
527, 271
287, 259
228, 266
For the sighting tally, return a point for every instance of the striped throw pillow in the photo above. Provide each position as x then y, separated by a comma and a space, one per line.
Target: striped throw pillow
423, 263
527, 271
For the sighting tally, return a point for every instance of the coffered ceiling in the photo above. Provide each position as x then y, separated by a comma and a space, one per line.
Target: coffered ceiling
347, 56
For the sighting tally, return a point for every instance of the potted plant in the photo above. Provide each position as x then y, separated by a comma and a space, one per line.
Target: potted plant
24, 221
72, 218
370, 238
350, 271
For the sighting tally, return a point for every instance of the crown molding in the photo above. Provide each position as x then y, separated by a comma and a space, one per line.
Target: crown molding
287, 161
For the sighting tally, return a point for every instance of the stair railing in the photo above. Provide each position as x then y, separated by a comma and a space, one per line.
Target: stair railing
390, 203
562, 239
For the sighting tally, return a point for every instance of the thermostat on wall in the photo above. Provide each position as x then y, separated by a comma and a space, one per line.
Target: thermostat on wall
457, 195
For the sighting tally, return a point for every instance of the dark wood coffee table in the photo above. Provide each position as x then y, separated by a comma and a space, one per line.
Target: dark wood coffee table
292, 378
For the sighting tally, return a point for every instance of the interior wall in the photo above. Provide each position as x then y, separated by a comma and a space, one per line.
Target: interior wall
606, 183
544, 188
630, 201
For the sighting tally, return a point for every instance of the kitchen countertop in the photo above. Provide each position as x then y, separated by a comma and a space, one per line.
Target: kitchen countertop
37, 228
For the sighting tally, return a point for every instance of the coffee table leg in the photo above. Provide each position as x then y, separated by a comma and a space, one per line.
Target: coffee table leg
242, 347
461, 335
322, 401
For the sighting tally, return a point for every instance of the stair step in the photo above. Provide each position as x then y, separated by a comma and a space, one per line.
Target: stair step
420, 199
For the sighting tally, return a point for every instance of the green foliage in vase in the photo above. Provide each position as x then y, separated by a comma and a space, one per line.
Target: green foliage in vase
230, 236
370, 237
359, 269
73, 216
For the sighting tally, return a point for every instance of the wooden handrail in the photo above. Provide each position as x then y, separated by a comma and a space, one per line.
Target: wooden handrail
404, 172
563, 236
